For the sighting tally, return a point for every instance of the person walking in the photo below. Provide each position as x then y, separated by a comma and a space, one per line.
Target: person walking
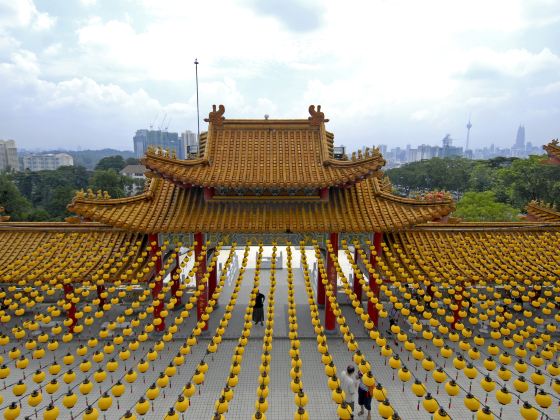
258, 309
364, 398
349, 384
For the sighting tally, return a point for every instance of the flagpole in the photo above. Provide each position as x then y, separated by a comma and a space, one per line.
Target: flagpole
197, 107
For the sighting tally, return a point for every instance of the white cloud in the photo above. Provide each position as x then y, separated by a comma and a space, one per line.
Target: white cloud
548, 89
53, 49
484, 62
366, 61
24, 14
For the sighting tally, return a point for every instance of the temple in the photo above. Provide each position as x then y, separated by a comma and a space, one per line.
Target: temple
265, 176
261, 176
397, 276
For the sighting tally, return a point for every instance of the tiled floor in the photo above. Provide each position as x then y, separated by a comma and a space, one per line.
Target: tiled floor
281, 398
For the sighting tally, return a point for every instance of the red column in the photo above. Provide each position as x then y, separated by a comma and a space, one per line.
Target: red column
158, 286
71, 314
330, 319
320, 288
212, 279
372, 309
203, 297
357, 284
100, 291
176, 281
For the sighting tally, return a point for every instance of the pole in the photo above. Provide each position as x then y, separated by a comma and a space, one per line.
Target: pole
197, 107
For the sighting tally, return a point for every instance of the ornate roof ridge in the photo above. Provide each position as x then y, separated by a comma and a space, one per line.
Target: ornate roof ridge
542, 212
83, 197
353, 209
261, 154
58, 226
486, 225
381, 192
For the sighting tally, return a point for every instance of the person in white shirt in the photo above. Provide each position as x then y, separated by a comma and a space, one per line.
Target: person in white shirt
349, 384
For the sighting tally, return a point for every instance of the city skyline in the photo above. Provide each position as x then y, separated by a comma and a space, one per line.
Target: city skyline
88, 73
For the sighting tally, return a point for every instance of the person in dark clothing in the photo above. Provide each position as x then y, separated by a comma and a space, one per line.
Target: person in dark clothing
258, 309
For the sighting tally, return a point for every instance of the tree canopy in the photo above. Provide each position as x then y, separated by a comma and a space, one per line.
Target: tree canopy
513, 181
483, 207
116, 163
44, 195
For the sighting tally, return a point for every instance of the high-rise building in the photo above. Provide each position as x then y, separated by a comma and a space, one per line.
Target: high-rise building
47, 162
518, 149
190, 142
144, 138
8, 156
520, 138
448, 149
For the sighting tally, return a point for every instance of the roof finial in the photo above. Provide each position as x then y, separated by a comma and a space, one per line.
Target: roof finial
216, 116
317, 117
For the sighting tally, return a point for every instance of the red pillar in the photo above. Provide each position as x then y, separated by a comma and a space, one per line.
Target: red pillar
372, 309
212, 279
158, 286
71, 314
176, 281
320, 287
357, 284
330, 319
100, 291
203, 297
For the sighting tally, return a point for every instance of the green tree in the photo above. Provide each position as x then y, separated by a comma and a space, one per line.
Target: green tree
450, 174
483, 207
482, 177
529, 179
115, 163
15, 204
47, 190
132, 161
109, 181
59, 199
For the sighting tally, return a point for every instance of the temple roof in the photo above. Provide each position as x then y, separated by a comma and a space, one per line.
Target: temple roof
553, 150
46, 250
542, 212
265, 154
166, 207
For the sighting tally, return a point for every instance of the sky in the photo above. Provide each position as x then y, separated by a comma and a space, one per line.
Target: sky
89, 73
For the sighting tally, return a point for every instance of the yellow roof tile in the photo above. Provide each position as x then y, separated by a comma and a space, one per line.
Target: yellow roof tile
166, 207
264, 154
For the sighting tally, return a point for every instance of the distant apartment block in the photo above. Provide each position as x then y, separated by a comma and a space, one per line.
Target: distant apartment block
47, 162
144, 138
136, 172
8, 156
190, 143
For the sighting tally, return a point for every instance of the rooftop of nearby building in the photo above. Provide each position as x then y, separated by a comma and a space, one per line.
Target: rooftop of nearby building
133, 169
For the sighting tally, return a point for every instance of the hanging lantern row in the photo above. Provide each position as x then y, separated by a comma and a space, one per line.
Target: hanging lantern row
261, 403
222, 403
182, 403
543, 398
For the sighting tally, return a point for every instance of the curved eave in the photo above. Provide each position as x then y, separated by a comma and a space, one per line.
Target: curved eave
349, 210
202, 174
542, 213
